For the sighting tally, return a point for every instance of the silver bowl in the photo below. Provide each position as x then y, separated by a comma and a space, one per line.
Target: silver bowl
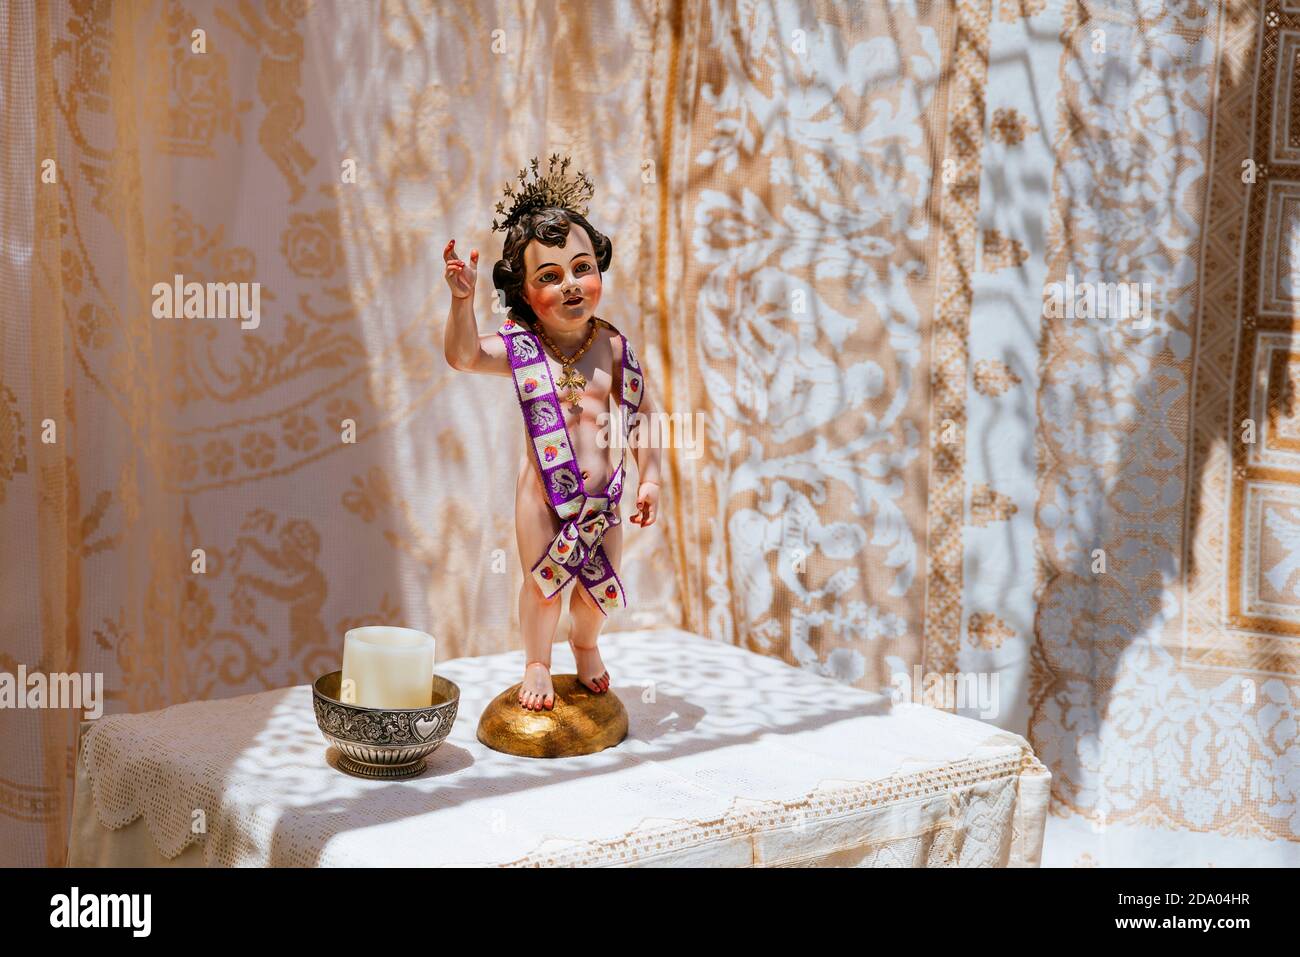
383, 742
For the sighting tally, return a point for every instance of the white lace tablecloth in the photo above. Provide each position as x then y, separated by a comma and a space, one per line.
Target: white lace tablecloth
732, 759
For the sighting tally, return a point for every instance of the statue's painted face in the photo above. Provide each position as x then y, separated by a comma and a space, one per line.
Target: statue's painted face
562, 283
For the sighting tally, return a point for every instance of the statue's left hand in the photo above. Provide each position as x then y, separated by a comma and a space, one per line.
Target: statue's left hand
647, 504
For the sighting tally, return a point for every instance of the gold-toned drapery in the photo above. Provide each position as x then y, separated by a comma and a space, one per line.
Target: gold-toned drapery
832, 224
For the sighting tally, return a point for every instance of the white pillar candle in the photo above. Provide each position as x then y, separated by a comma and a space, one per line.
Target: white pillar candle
387, 667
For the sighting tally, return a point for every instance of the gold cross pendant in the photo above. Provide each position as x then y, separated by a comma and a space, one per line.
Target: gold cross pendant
574, 382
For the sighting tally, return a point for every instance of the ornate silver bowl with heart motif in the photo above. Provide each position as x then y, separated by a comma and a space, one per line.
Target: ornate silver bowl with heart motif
382, 742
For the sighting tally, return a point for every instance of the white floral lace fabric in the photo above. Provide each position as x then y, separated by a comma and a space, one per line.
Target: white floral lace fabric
732, 759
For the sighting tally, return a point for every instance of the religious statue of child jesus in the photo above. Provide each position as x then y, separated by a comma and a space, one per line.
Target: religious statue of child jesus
566, 364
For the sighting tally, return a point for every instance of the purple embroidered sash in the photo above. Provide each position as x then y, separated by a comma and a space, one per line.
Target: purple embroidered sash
577, 548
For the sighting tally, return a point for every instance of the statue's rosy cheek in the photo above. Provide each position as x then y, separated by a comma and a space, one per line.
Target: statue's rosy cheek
547, 297
540, 297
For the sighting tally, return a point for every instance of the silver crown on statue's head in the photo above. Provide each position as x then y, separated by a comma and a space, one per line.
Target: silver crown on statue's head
556, 188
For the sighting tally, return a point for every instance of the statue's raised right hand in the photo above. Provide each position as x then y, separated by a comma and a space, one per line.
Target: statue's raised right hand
461, 275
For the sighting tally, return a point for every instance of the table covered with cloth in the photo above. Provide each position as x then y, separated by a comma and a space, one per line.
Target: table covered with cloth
732, 759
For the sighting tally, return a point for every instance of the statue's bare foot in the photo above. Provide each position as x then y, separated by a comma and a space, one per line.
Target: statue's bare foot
536, 691
591, 670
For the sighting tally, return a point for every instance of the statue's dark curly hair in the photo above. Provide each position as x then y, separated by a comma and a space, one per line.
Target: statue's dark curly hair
550, 227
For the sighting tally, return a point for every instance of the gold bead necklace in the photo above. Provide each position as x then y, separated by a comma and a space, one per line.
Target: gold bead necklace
570, 379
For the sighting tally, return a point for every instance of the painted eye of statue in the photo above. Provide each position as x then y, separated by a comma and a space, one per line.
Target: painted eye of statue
582, 264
